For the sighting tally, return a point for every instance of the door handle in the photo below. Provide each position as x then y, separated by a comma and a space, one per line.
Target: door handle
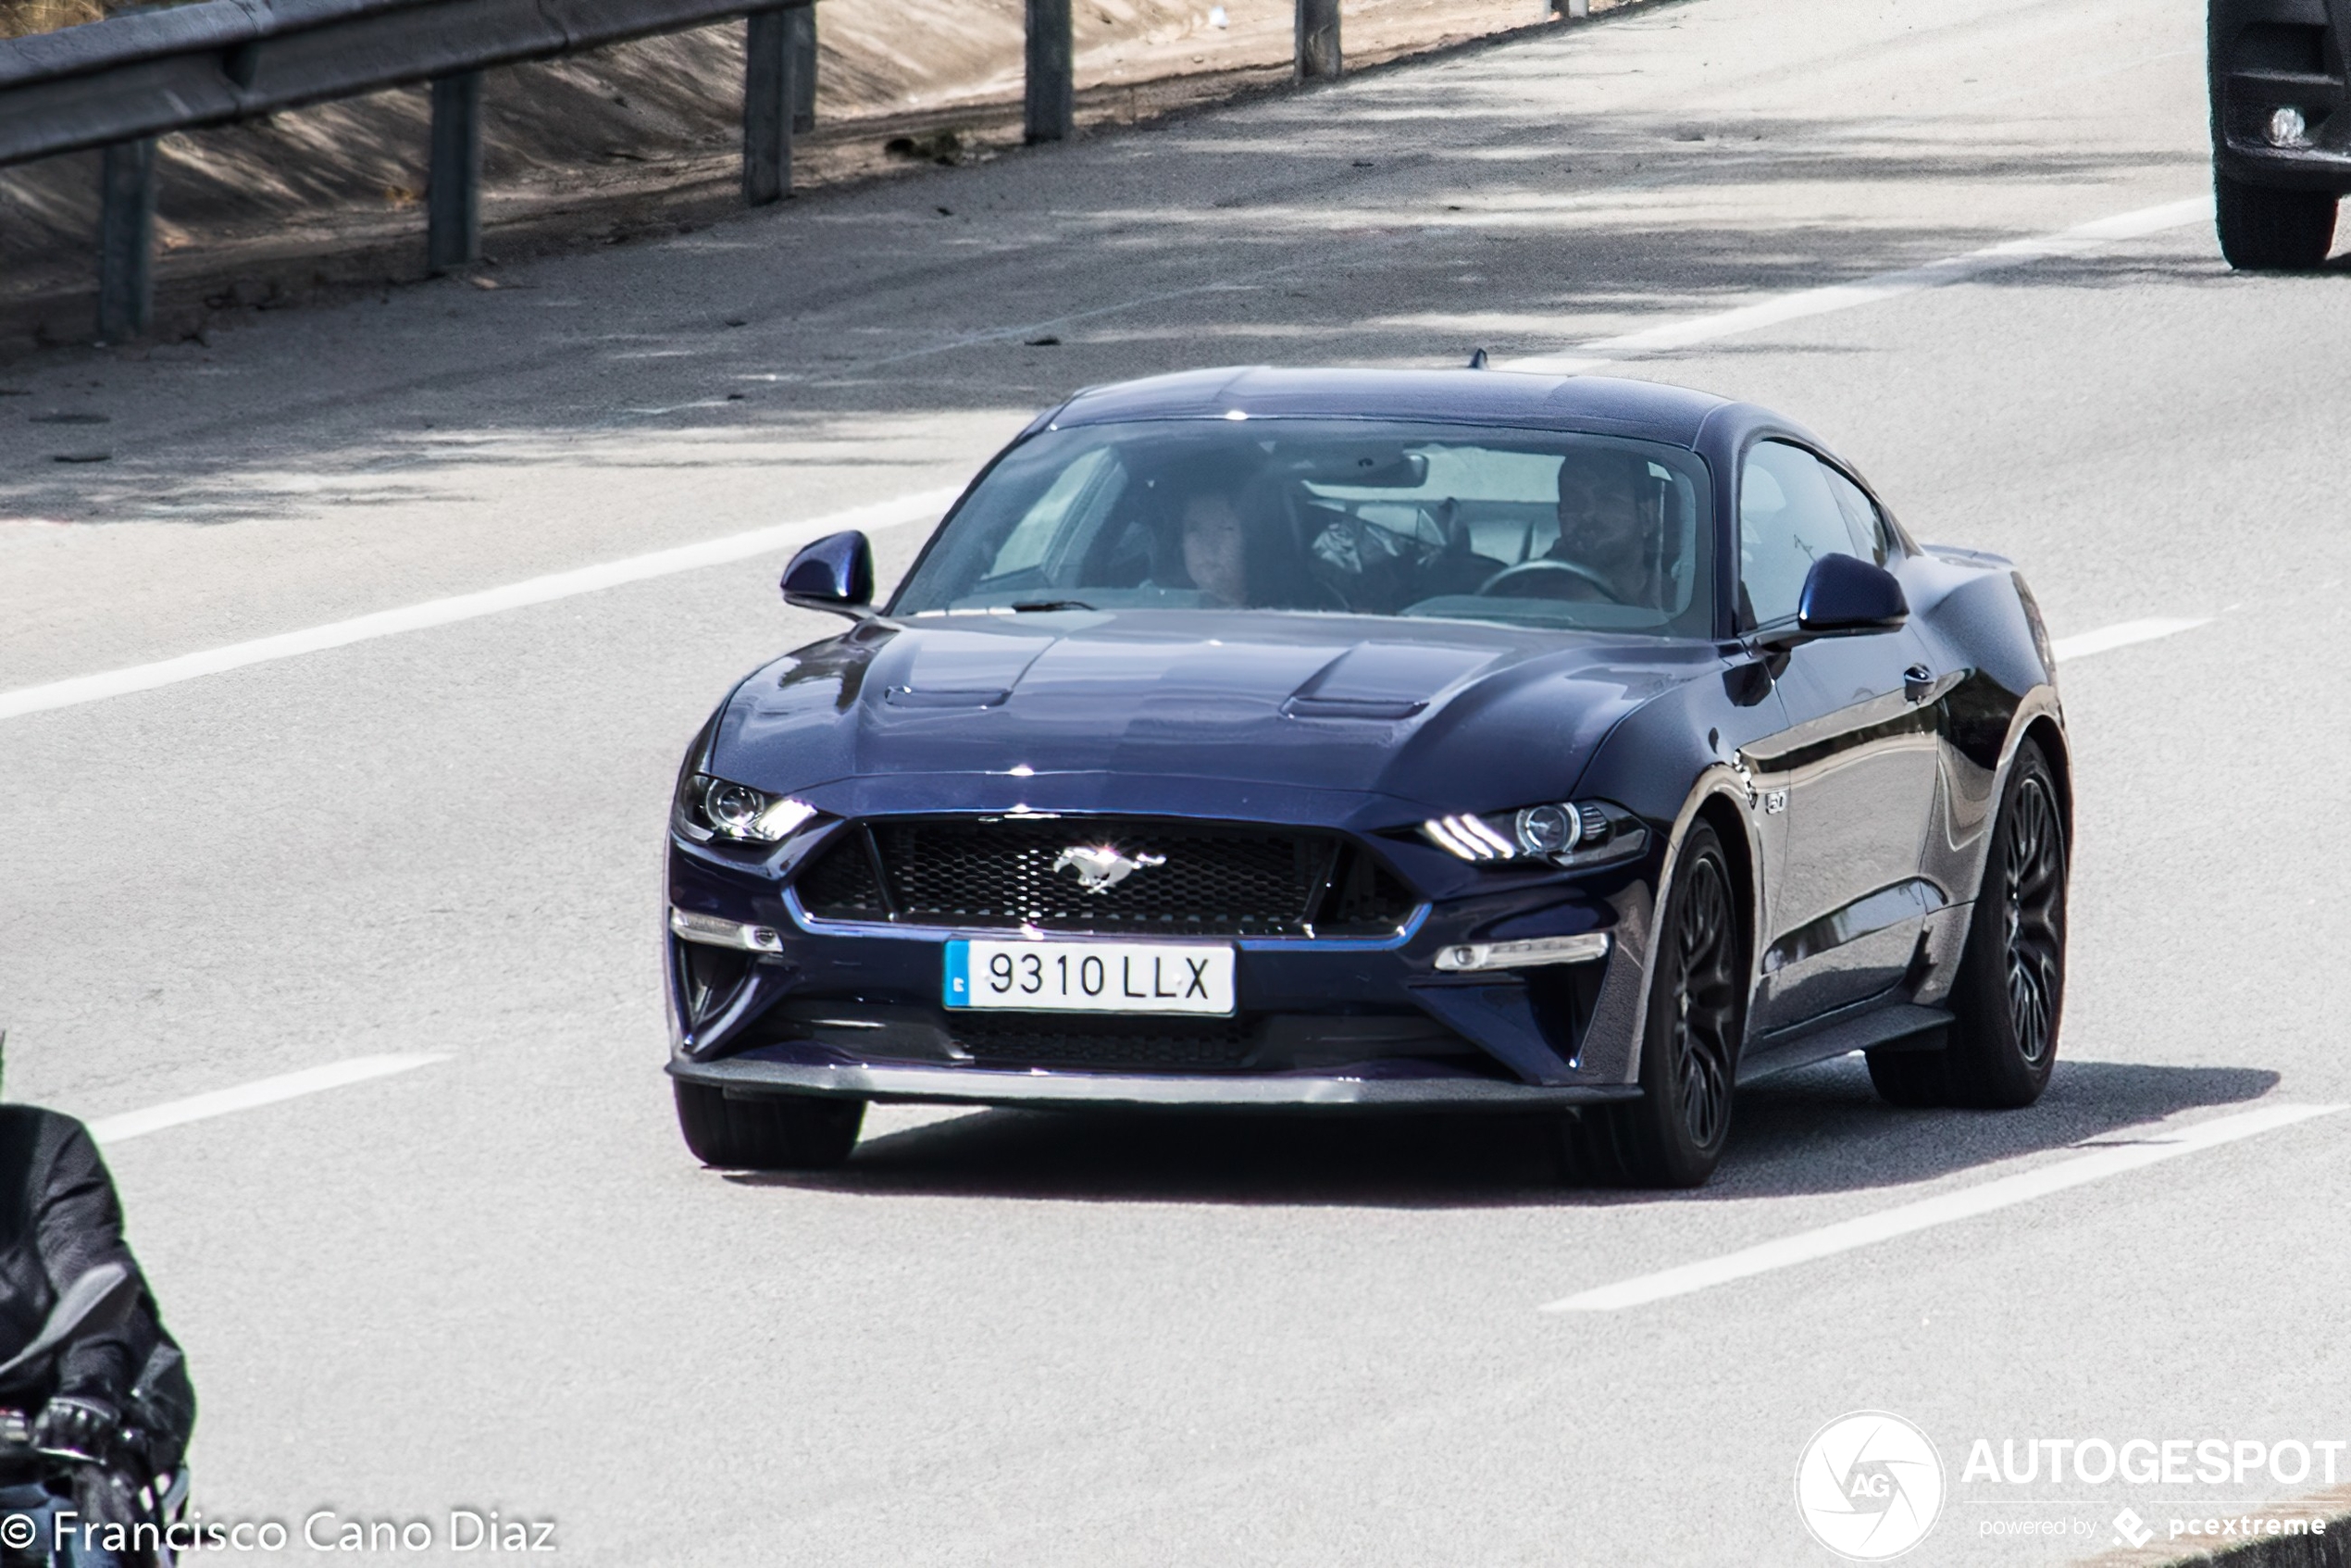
1917, 683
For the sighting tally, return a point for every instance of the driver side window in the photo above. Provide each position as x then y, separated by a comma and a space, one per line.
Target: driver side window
1789, 518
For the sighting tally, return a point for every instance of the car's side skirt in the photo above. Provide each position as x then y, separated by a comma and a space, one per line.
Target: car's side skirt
1900, 1022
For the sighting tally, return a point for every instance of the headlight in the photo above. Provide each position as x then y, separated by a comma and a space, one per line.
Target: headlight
1564, 832
721, 808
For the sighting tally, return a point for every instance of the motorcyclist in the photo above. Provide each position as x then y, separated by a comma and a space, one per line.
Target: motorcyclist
116, 1399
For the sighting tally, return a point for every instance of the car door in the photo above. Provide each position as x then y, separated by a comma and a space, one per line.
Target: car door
1854, 769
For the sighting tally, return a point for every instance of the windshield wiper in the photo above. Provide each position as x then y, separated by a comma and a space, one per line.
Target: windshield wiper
1024, 606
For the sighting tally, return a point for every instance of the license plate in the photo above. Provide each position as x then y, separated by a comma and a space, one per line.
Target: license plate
1050, 976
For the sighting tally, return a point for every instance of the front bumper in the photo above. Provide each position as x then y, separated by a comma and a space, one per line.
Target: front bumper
2267, 55
1359, 1022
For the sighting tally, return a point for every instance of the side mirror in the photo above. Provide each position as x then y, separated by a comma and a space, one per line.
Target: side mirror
836, 573
1845, 595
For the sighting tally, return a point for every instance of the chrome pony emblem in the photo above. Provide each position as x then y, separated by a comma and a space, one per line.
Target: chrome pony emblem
1100, 868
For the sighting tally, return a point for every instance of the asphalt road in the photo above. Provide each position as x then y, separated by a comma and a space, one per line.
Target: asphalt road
497, 1281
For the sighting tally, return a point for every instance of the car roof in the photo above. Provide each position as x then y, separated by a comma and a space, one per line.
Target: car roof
1598, 404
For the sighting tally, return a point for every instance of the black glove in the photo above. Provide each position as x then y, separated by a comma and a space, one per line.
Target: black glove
77, 1426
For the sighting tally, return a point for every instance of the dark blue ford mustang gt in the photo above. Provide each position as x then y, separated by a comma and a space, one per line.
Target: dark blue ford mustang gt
1354, 739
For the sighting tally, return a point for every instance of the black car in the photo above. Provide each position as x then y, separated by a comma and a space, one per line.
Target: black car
1360, 740
2281, 138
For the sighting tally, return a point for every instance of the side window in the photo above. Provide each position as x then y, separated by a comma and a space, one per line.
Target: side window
1860, 515
1788, 519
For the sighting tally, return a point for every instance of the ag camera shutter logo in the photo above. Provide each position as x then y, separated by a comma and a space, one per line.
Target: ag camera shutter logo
1870, 1486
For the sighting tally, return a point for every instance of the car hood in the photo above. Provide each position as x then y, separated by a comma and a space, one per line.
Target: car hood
1236, 713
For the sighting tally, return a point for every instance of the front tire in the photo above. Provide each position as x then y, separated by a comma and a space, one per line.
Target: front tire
2010, 995
2269, 230
778, 1132
1672, 1136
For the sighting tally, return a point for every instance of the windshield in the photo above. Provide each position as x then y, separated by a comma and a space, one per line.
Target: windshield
1352, 516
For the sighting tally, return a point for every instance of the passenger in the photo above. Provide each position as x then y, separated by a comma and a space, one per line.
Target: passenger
1604, 527
1215, 545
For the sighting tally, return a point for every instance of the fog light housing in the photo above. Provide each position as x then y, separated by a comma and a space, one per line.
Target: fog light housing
713, 932
1470, 957
2287, 128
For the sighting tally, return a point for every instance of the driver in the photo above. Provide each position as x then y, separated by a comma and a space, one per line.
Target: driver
58, 1218
1604, 528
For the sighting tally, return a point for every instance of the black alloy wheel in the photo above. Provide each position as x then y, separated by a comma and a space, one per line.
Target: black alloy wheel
1674, 1134
775, 1132
2269, 230
2009, 996
2032, 916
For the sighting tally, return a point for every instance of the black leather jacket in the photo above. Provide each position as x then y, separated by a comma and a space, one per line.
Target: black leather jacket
58, 1218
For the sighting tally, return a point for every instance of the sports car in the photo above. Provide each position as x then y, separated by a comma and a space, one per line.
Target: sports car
1354, 739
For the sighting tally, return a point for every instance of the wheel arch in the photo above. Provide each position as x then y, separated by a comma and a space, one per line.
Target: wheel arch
1719, 798
2044, 730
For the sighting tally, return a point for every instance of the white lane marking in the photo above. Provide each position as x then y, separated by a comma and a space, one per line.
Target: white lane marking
2079, 241
2083, 644
247, 1097
468, 606
1967, 1203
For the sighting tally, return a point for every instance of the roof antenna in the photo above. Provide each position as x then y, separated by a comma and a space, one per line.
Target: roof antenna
1477, 360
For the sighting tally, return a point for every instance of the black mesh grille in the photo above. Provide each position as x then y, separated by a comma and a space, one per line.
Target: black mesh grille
1186, 878
1143, 1044
841, 884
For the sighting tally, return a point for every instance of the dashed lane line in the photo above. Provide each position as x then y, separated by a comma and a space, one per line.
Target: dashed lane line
2082, 239
2110, 1156
912, 508
252, 1096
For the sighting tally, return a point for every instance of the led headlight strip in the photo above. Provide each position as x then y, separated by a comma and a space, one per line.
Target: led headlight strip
1532, 832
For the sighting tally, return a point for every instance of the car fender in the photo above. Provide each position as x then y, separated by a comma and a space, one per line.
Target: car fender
1623, 1008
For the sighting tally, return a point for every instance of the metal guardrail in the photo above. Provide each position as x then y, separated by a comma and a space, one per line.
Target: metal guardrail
119, 84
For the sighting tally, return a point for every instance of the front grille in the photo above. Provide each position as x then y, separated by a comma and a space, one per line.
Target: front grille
1139, 1044
1187, 879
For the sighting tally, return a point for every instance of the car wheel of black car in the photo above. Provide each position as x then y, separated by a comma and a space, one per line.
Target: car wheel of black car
2011, 990
781, 1132
2270, 230
1674, 1134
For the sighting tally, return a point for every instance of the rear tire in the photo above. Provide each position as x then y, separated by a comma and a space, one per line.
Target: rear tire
1674, 1134
2010, 995
2269, 230
779, 1132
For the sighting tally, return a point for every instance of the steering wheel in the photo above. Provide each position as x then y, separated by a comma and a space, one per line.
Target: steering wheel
1515, 581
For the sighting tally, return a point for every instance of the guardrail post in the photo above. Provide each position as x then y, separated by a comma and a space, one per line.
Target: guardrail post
803, 67
768, 106
452, 178
126, 240
1317, 38
1051, 111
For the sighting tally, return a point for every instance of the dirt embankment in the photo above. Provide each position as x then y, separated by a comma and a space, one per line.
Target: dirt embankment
640, 139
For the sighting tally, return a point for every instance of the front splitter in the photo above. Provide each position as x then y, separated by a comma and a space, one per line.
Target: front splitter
985, 1085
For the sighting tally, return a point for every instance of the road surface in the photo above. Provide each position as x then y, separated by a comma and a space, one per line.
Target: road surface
408, 802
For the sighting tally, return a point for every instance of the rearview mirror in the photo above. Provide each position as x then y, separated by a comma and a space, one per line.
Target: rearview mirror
836, 573
1845, 596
